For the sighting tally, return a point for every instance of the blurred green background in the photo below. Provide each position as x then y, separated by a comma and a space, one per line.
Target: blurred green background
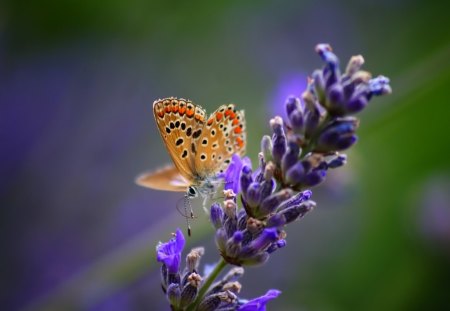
77, 79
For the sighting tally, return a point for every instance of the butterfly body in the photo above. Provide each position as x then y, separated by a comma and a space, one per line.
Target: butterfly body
200, 146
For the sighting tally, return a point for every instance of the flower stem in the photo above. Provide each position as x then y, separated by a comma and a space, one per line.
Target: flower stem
211, 277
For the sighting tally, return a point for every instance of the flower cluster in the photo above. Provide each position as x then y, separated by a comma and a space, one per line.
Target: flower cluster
295, 158
183, 289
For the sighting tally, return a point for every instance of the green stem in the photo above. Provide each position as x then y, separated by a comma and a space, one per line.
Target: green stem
211, 277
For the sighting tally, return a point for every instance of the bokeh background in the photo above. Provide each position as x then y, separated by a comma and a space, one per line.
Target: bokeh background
77, 80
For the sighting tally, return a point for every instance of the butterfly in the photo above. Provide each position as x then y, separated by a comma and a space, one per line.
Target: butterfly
200, 147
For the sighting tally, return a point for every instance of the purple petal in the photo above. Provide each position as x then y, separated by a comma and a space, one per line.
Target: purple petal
232, 175
170, 253
259, 303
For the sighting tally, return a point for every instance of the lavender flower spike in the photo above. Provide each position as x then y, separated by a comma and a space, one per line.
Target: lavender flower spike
250, 222
170, 253
259, 304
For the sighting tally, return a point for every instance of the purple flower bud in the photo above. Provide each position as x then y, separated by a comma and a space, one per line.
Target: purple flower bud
297, 121
241, 219
230, 225
246, 178
315, 177
277, 245
380, 86
295, 200
267, 188
346, 142
272, 202
338, 161
338, 135
174, 294
295, 212
295, 174
276, 221
221, 239
335, 99
292, 104
312, 119
213, 301
325, 51
267, 237
253, 195
216, 215
331, 71
259, 304
290, 157
356, 104
279, 139
238, 236
189, 292
234, 244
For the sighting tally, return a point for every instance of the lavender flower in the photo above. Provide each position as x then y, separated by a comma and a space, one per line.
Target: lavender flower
170, 253
188, 290
295, 158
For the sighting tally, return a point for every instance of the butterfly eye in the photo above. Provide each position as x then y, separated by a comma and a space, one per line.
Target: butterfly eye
192, 192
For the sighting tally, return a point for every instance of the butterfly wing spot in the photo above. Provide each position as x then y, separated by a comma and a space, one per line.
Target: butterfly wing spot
213, 156
184, 154
167, 130
183, 126
177, 124
213, 132
203, 157
215, 146
204, 142
219, 116
227, 142
179, 141
189, 131
190, 112
230, 150
239, 142
172, 125
197, 134
193, 149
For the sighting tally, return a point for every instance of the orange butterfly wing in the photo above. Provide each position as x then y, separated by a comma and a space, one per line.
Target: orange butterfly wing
180, 124
223, 135
167, 178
